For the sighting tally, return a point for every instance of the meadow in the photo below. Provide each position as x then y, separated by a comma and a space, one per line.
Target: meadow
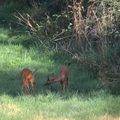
82, 101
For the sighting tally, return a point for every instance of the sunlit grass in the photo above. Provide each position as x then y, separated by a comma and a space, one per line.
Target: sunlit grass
81, 102
45, 105
53, 106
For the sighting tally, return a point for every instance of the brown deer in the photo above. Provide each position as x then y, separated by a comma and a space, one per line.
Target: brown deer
62, 78
28, 80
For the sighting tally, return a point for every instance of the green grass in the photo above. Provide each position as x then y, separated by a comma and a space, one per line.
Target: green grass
81, 102
55, 107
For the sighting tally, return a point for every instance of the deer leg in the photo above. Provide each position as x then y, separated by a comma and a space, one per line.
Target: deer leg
27, 90
25, 87
33, 87
62, 85
66, 83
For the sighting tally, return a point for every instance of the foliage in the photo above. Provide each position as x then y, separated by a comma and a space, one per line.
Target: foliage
84, 29
20, 48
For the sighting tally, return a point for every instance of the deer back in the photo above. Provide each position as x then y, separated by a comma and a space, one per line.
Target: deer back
27, 75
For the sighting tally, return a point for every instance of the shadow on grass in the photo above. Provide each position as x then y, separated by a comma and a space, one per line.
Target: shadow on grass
81, 80
18, 39
90, 102
10, 83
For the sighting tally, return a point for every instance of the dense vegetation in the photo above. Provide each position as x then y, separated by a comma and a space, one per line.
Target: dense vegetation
43, 35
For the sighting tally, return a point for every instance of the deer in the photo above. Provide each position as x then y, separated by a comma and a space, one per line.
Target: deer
28, 80
62, 77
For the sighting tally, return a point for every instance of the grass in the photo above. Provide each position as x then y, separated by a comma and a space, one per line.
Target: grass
55, 107
81, 102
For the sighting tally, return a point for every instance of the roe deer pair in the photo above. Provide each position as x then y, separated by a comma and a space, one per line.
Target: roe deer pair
28, 80
62, 78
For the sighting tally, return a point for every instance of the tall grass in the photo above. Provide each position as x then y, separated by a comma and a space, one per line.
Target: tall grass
54, 107
81, 102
